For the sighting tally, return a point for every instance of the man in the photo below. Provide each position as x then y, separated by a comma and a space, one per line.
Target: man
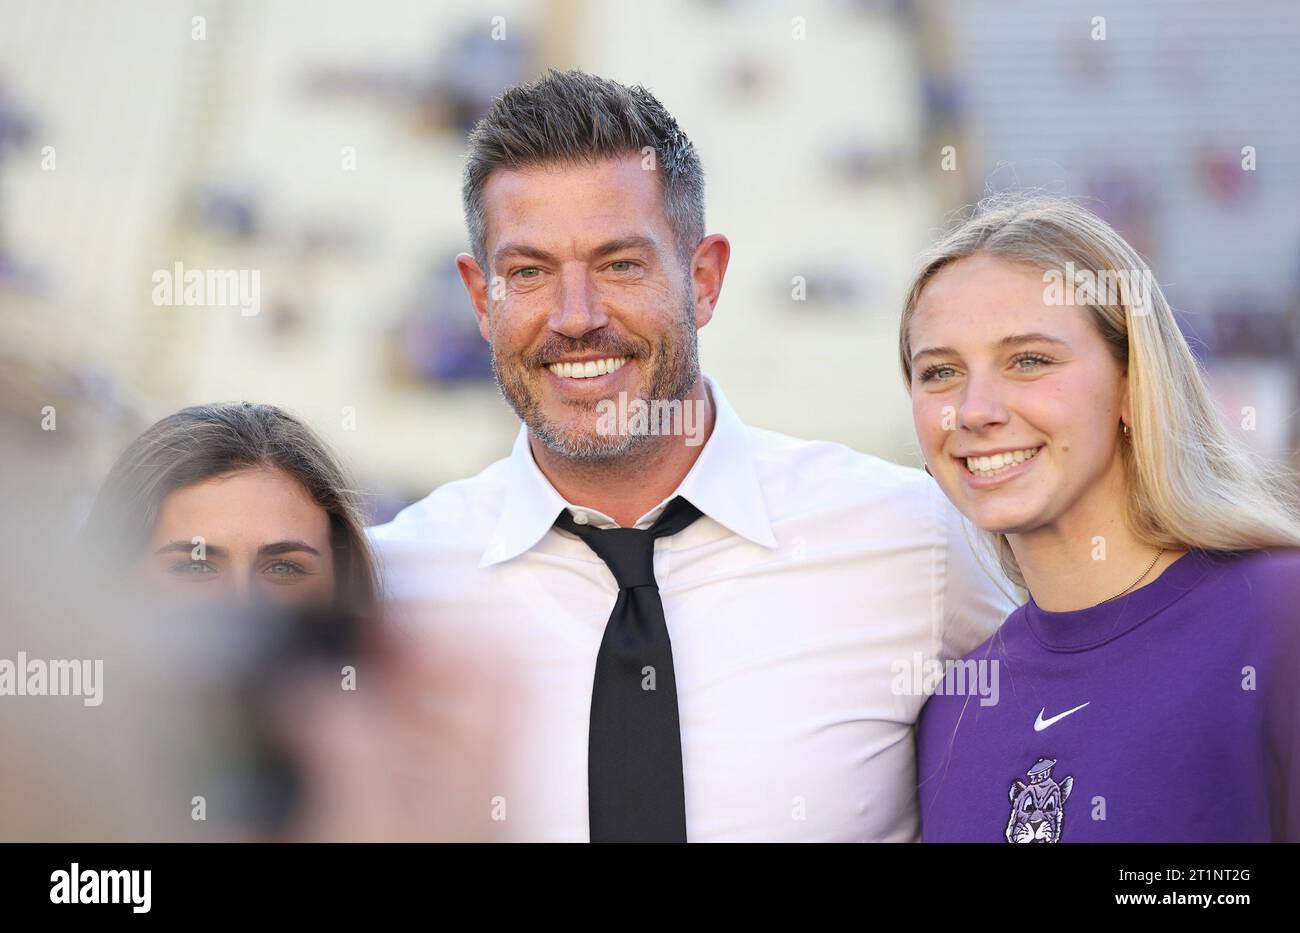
741, 681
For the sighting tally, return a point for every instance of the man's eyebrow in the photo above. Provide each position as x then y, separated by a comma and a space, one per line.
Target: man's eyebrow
618, 245
522, 250
1012, 340
622, 244
186, 547
286, 547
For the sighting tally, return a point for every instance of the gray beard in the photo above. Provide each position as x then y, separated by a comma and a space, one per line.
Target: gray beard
675, 374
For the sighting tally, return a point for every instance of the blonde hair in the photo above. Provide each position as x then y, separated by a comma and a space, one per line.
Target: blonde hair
1191, 483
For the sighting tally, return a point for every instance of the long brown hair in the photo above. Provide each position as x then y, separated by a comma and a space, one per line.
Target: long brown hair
207, 441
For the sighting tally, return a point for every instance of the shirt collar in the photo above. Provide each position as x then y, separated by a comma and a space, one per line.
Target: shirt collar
723, 484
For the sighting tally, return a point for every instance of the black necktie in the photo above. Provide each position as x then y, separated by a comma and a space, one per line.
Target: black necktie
634, 747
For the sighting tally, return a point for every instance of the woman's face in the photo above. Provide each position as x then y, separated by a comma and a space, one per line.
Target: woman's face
999, 373
255, 535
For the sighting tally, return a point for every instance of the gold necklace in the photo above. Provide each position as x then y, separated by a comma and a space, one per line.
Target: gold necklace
1138, 580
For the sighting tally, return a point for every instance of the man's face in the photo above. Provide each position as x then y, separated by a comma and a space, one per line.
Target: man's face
587, 299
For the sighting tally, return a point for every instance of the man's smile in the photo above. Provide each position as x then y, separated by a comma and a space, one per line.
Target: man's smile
587, 369
576, 379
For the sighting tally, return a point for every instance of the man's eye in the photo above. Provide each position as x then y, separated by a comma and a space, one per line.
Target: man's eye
622, 265
530, 272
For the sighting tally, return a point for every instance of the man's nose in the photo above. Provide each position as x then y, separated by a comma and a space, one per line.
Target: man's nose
578, 309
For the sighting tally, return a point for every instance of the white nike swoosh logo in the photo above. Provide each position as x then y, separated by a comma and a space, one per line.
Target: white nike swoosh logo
1040, 723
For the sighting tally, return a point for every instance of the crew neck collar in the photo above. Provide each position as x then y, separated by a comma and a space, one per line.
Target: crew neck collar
1079, 629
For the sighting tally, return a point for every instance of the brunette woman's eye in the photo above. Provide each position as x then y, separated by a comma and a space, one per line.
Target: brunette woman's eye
285, 570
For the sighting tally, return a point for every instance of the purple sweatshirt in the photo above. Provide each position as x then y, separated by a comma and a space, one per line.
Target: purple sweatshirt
1170, 714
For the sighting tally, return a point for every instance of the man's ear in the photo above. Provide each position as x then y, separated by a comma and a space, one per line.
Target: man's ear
708, 269
476, 285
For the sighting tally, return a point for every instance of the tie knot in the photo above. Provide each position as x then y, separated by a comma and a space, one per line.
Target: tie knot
630, 552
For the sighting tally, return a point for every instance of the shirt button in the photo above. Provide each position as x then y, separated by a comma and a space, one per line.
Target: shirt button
581, 518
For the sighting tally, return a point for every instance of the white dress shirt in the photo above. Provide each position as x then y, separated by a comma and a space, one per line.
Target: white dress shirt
813, 572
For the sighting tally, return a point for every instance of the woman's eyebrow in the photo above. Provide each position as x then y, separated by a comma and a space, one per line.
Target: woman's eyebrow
1011, 340
933, 351
188, 546
286, 547
1017, 339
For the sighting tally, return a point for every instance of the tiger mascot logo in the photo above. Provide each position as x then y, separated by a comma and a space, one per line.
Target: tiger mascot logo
1038, 808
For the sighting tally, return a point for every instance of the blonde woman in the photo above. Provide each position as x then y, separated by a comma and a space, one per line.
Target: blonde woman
1148, 688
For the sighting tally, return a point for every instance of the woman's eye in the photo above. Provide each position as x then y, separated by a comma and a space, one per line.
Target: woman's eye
934, 372
284, 568
193, 568
1036, 360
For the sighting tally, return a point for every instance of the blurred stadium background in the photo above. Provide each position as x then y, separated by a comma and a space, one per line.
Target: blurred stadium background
320, 143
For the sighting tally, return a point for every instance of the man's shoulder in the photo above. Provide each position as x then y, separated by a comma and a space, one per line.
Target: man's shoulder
451, 512
834, 468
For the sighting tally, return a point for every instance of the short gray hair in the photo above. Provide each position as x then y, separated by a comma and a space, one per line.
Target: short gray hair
573, 117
